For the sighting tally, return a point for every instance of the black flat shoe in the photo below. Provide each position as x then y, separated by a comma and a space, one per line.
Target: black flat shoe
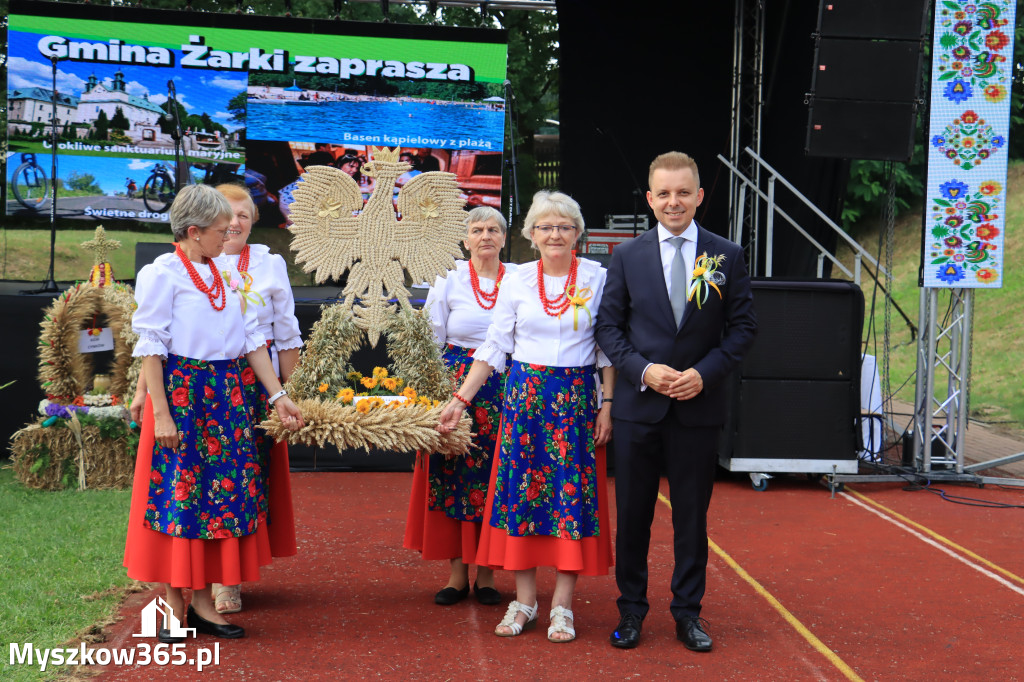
228, 631
450, 595
627, 633
488, 596
164, 636
691, 633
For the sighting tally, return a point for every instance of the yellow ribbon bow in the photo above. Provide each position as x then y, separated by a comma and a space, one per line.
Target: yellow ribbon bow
578, 299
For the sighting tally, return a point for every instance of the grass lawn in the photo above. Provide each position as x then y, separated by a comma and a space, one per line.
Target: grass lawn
25, 254
996, 392
60, 566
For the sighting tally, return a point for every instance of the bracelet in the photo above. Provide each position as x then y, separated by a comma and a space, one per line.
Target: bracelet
606, 400
274, 398
461, 399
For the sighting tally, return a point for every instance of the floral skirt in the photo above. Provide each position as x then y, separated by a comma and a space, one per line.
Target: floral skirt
547, 499
273, 460
151, 556
211, 486
446, 505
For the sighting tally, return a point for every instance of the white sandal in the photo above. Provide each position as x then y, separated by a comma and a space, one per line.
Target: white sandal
509, 620
559, 625
227, 598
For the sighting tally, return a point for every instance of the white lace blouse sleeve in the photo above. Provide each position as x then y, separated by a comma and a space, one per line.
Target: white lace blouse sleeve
501, 334
152, 320
437, 308
286, 326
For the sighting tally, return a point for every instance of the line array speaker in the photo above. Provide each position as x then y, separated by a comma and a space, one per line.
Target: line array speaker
891, 19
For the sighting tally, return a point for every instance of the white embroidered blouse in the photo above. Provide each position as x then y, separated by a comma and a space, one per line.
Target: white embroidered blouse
521, 326
276, 319
175, 317
455, 316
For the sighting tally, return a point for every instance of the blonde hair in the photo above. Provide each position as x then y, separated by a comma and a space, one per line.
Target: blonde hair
552, 203
673, 161
233, 192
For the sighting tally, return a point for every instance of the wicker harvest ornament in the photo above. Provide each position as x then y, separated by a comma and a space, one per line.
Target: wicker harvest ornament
375, 245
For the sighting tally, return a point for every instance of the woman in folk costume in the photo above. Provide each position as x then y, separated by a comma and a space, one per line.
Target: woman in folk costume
446, 507
198, 511
546, 504
267, 274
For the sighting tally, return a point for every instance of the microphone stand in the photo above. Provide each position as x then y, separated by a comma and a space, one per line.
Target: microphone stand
514, 207
177, 135
637, 192
50, 286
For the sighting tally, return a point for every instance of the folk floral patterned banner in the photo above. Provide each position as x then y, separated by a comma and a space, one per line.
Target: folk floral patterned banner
972, 68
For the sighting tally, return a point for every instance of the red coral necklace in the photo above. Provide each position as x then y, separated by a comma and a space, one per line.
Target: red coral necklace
483, 298
559, 304
214, 291
243, 259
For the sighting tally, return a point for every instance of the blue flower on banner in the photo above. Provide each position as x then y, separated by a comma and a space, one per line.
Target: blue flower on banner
998, 141
958, 91
953, 190
938, 141
950, 273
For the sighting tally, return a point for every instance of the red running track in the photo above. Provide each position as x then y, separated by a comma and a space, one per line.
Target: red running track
876, 583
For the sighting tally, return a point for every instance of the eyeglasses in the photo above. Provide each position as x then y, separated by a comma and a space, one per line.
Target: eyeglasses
547, 229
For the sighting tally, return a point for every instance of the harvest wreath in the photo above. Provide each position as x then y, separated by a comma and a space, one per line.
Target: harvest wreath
82, 433
333, 232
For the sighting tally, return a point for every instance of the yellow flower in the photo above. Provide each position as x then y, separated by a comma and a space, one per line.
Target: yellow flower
399, 382
424, 402
409, 393
390, 383
354, 377
375, 401
363, 406
345, 395
323, 388
379, 372
369, 382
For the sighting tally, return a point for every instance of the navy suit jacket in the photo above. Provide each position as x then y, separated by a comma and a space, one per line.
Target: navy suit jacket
635, 327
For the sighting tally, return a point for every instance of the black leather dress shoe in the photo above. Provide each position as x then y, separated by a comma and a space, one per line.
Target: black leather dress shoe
450, 595
164, 636
488, 596
692, 634
228, 631
627, 632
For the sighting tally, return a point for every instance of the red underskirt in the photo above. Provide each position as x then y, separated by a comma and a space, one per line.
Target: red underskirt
151, 556
432, 533
587, 556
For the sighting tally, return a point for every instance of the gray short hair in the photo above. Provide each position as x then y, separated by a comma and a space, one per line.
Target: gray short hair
552, 203
199, 205
481, 214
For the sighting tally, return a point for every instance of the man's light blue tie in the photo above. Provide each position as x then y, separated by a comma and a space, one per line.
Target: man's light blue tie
677, 279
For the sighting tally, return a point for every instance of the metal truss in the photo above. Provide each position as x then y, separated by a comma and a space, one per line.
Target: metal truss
747, 85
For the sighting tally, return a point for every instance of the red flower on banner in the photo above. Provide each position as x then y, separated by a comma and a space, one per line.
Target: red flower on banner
996, 40
987, 231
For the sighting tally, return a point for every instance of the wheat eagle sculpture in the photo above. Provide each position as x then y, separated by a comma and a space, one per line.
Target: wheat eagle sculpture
376, 245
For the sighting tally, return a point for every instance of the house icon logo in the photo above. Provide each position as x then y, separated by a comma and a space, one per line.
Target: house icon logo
170, 622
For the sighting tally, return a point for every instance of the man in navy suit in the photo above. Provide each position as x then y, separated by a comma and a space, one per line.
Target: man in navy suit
676, 318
